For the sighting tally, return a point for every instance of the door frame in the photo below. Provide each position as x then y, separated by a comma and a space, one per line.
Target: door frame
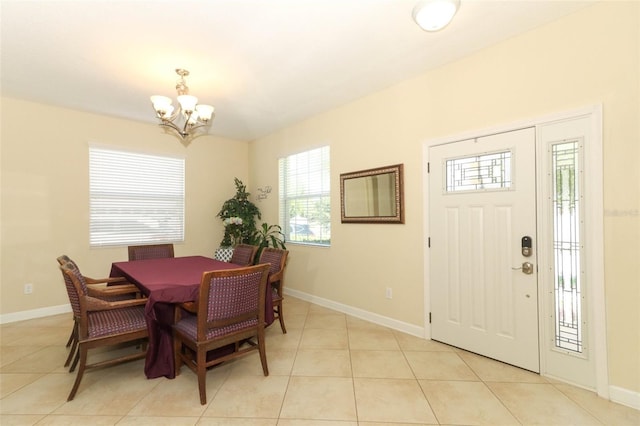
594, 251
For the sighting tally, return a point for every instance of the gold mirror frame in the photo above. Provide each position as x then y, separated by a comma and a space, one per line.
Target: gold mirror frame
372, 195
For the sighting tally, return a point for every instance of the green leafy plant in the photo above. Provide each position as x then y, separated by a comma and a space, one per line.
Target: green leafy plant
238, 215
267, 236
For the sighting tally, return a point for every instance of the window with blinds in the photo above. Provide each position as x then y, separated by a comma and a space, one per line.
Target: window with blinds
305, 207
134, 198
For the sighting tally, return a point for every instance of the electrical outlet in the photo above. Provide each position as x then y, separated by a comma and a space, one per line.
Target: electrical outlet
389, 293
28, 288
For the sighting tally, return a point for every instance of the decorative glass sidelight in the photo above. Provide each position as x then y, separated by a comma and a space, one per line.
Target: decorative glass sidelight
491, 171
567, 245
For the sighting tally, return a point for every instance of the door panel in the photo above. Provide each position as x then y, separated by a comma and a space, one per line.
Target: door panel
576, 365
482, 202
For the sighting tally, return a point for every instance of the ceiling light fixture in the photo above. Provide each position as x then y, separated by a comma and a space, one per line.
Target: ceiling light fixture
433, 15
190, 120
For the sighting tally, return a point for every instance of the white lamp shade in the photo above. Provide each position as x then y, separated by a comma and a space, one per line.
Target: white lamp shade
187, 102
433, 15
204, 112
162, 105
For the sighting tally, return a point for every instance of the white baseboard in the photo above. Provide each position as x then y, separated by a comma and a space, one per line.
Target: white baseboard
34, 313
414, 330
624, 397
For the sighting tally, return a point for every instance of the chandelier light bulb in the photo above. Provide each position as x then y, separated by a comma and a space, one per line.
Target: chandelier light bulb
193, 118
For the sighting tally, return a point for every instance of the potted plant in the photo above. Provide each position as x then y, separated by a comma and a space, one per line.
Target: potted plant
265, 236
238, 216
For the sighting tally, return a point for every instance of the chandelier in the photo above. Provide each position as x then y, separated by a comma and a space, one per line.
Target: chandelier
189, 120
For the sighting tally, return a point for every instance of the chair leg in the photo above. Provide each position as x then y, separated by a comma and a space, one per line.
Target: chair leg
281, 319
73, 341
72, 336
72, 352
202, 375
75, 361
263, 352
83, 363
177, 358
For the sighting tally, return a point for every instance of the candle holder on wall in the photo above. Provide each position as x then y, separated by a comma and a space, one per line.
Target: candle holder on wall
264, 192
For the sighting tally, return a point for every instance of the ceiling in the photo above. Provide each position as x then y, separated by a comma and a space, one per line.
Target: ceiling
263, 64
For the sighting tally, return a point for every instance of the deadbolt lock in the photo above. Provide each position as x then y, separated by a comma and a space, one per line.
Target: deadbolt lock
526, 246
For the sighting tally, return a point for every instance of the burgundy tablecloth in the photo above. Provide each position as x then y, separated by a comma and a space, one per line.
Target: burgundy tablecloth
167, 282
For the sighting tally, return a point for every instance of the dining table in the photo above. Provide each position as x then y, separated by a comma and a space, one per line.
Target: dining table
167, 282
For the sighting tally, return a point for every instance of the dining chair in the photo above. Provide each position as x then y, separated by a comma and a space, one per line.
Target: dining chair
150, 251
229, 317
111, 281
102, 323
277, 259
243, 254
110, 289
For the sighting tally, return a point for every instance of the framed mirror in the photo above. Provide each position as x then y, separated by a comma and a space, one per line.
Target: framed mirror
372, 196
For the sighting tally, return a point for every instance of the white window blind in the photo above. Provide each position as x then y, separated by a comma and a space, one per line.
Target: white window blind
134, 198
305, 208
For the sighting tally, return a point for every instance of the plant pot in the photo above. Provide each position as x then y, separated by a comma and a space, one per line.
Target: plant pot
223, 254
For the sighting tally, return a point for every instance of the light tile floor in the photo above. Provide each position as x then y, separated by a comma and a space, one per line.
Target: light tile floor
330, 369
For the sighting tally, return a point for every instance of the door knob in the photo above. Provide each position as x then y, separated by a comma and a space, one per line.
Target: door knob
527, 268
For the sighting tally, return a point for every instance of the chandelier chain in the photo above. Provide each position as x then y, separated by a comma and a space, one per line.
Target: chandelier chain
181, 84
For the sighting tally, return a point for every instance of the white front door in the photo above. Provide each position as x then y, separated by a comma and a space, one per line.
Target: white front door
482, 211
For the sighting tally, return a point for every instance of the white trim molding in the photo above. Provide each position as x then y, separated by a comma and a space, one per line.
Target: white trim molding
624, 397
34, 313
404, 327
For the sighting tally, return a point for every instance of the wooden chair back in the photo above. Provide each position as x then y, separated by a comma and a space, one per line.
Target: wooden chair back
243, 254
277, 260
150, 251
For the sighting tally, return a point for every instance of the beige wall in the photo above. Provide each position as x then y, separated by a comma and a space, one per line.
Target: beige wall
587, 58
45, 194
